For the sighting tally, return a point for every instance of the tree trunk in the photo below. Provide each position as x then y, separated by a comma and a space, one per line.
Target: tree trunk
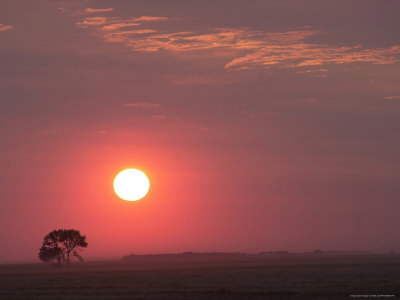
68, 259
59, 260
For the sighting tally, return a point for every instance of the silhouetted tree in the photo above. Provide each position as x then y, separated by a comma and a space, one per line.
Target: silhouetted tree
50, 254
59, 245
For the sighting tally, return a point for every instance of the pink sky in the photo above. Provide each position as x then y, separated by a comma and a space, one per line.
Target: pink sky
270, 126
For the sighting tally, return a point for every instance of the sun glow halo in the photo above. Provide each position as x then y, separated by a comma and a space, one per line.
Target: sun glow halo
131, 184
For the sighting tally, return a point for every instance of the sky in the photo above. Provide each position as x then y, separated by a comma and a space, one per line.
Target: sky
262, 125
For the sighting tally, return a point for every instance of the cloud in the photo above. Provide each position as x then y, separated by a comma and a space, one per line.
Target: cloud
294, 54
245, 48
391, 97
96, 10
93, 21
137, 31
312, 71
252, 114
145, 105
150, 18
310, 100
5, 27
159, 117
115, 23
191, 80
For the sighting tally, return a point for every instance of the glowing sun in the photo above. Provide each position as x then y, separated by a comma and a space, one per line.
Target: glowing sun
131, 184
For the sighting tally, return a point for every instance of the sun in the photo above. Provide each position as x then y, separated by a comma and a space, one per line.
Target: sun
131, 184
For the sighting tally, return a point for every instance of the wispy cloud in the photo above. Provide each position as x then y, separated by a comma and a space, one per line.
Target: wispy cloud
137, 31
247, 48
150, 18
159, 117
112, 27
391, 97
97, 10
309, 100
191, 80
302, 54
253, 114
312, 71
93, 21
145, 105
5, 27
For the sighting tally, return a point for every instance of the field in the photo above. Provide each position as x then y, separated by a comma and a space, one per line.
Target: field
312, 276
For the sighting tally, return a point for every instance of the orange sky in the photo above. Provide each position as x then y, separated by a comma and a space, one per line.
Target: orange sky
271, 126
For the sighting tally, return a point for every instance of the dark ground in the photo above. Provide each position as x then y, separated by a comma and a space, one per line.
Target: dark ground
313, 276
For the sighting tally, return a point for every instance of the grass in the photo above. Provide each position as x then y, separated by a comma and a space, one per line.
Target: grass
270, 277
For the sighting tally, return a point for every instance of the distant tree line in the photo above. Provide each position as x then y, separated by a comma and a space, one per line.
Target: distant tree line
59, 246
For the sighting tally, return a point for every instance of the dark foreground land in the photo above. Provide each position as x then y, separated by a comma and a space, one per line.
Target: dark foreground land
290, 276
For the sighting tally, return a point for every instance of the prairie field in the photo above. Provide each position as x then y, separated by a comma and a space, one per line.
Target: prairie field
290, 276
